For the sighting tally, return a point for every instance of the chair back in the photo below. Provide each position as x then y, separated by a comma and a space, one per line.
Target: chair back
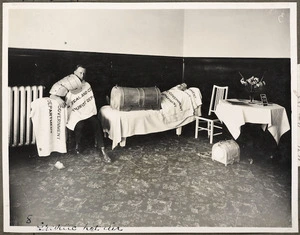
218, 93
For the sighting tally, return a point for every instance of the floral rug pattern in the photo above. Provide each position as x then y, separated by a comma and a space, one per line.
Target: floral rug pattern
156, 180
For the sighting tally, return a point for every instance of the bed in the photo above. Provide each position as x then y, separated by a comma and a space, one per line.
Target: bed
178, 108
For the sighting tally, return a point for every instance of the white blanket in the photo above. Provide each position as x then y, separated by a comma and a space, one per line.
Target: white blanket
121, 124
195, 97
49, 126
178, 105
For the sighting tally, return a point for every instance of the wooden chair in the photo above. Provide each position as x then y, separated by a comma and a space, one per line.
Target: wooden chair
212, 122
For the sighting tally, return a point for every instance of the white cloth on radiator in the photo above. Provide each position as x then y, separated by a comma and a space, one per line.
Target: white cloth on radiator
49, 126
80, 105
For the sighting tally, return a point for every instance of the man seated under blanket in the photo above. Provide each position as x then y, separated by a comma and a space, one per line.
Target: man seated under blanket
76, 93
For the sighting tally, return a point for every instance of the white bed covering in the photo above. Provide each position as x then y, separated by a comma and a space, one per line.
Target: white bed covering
178, 109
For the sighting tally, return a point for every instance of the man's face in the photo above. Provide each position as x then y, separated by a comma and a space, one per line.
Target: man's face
80, 72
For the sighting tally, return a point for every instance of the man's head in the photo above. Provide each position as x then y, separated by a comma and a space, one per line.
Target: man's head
80, 71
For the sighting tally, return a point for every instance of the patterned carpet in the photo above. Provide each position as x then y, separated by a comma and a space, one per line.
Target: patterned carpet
156, 180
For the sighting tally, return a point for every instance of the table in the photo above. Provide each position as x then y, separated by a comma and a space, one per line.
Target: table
234, 113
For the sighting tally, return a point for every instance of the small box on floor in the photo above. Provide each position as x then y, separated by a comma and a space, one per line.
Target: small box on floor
226, 152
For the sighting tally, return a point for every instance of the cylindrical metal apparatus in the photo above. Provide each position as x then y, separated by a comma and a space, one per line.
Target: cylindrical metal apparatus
129, 98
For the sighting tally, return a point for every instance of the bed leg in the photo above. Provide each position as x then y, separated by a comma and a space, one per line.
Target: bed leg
178, 130
123, 142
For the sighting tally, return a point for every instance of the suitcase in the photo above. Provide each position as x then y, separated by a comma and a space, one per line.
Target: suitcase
128, 98
226, 152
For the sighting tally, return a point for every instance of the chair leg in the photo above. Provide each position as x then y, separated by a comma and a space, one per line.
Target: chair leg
208, 128
196, 128
211, 132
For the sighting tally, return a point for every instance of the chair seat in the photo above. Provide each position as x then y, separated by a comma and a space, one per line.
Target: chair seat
212, 117
211, 120
211, 124
207, 115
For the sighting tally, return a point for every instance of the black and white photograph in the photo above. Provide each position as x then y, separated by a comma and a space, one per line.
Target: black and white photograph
150, 117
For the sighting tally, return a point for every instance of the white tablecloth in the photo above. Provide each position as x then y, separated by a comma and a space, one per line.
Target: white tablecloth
234, 113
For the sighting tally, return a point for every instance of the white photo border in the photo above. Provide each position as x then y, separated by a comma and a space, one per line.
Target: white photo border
165, 5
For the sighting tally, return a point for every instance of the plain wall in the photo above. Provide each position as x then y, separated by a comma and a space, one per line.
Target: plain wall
189, 33
237, 33
145, 32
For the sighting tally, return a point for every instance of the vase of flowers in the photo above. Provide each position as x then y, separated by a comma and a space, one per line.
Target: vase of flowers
252, 84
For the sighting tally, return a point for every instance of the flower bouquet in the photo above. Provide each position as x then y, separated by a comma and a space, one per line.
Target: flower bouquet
252, 84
